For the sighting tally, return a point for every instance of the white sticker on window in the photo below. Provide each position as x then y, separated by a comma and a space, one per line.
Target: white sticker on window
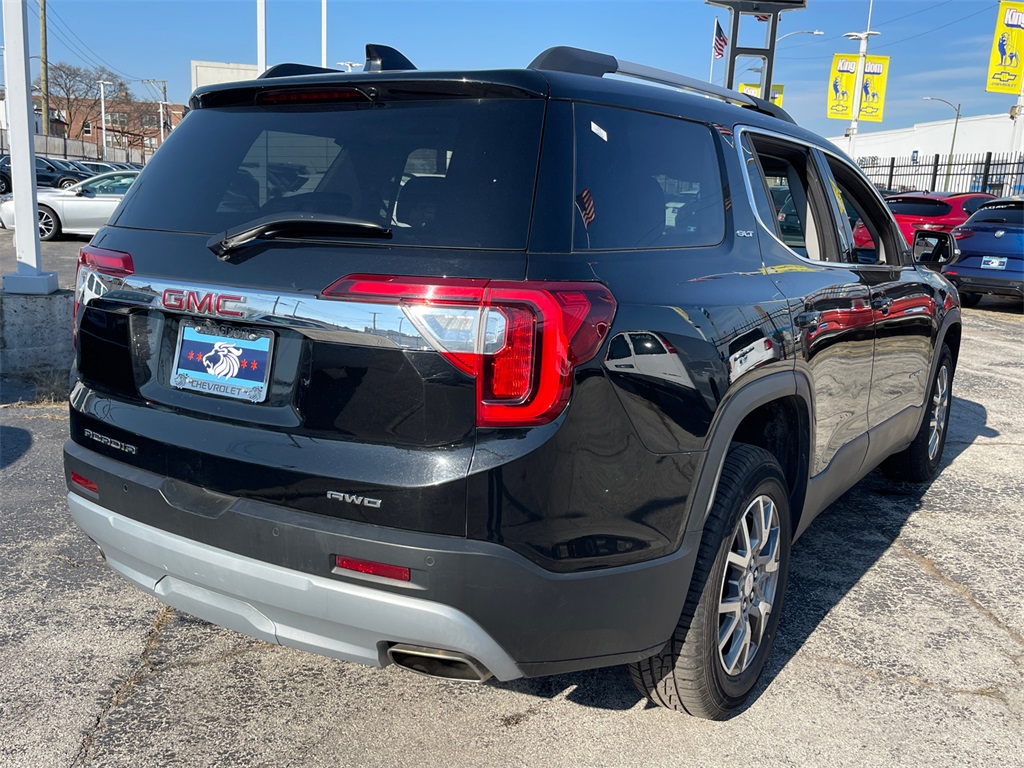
599, 130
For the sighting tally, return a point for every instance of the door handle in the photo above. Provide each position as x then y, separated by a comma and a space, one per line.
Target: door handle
882, 304
808, 320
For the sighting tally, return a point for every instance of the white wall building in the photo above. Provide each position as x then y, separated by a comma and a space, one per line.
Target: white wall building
974, 135
214, 72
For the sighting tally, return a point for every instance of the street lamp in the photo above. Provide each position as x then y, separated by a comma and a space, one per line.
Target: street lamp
103, 116
800, 32
952, 144
862, 59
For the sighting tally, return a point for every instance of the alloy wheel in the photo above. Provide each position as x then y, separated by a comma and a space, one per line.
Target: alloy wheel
749, 584
46, 224
940, 412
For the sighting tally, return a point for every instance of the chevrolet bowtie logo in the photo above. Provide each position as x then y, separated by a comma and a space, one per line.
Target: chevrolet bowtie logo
1004, 77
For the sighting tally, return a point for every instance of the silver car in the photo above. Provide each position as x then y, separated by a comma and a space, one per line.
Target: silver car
78, 210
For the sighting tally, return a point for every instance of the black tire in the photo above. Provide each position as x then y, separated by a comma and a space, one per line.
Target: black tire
969, 299
5, 184
65, 183
919, 462
689, 674
49, 224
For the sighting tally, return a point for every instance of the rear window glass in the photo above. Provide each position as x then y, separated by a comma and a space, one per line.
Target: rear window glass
445, 173
1011, 215
644, 181
918, 207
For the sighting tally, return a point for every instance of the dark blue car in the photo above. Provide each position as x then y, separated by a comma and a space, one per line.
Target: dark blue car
991, 246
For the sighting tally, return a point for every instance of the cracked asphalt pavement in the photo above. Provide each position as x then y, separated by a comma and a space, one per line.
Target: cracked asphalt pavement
901, 644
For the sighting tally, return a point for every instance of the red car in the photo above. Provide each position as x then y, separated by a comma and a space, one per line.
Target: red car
926, 210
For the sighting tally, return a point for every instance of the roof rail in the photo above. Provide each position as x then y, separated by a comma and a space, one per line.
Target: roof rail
582, 62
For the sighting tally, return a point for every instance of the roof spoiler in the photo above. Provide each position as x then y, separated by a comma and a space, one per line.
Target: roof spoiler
582, 62
379, 58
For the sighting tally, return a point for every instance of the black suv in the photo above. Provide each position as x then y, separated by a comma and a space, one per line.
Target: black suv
502, 373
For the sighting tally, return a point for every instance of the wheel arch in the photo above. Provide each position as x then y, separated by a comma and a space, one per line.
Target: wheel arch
773, 413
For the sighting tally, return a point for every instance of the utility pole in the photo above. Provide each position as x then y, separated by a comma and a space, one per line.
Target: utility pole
103, 116
43, 85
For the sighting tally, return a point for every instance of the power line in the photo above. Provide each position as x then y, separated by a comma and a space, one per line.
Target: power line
935, 29
94, 59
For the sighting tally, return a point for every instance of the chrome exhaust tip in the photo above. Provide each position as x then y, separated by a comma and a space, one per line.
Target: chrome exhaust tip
436, 662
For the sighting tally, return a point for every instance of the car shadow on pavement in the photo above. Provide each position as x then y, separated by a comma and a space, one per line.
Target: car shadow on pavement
842, 544
850, 536
14, 443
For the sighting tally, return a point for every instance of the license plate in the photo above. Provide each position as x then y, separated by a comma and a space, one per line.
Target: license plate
224, 361
993, 262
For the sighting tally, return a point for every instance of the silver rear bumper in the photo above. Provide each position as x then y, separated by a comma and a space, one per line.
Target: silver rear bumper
333, 618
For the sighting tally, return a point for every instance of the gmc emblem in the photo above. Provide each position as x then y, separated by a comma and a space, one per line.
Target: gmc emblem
202, 303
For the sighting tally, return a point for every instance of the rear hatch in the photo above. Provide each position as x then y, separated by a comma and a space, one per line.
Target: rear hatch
294, 299
993, 240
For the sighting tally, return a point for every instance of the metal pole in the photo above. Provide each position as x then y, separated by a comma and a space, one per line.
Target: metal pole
103, 117
323, 33
861, 61
952, 144
44, 88
29, 277
711, 72
161, 123
261, 36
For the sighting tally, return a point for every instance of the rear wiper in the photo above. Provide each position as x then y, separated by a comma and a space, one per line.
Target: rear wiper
292, 224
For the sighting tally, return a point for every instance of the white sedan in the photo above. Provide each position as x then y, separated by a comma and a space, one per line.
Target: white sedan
78, 210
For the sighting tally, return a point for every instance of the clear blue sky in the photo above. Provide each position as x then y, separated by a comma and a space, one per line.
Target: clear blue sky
938, 48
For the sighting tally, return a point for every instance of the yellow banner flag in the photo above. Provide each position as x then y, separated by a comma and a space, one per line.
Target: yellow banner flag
1004, 64
754, 89
843, 82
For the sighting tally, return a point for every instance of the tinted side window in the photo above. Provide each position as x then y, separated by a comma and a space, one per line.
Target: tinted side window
644, 181
876, 239
972, 204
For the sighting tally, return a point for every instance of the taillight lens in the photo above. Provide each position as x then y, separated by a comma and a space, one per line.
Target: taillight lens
962, 233
520, 341
933, 227
116, 263
104, 261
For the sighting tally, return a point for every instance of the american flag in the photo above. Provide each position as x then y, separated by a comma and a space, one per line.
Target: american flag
720, 40
762, 16
585, 202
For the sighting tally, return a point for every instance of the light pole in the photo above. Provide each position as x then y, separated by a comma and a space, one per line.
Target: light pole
103, 116
861, 62
952, 144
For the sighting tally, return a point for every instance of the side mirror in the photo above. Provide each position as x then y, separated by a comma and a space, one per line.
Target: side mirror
79, 192
934, 249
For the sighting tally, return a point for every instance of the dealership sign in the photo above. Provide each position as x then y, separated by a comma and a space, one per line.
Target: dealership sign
1004, 64
842, 83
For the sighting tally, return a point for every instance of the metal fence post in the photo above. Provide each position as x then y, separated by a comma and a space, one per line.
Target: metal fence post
892, 167
935, 172
985, 172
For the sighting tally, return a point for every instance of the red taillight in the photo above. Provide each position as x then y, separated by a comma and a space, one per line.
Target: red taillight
311, 96
933, 227
116, 263
962, 233
104, 261
396, 572
89, 485
520, 341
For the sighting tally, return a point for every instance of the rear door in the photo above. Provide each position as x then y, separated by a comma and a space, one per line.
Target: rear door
904, 302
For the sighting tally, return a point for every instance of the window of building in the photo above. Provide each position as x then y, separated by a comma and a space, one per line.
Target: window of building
87, 128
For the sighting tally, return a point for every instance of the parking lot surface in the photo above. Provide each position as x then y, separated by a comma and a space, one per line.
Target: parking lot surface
901, 642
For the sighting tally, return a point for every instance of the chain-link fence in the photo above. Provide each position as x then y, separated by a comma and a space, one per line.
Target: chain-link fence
997, 174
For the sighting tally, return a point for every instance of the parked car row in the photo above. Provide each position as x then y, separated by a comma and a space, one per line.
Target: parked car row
80, 209
61, 172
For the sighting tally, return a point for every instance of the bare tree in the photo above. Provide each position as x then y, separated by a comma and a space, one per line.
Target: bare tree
74, 92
